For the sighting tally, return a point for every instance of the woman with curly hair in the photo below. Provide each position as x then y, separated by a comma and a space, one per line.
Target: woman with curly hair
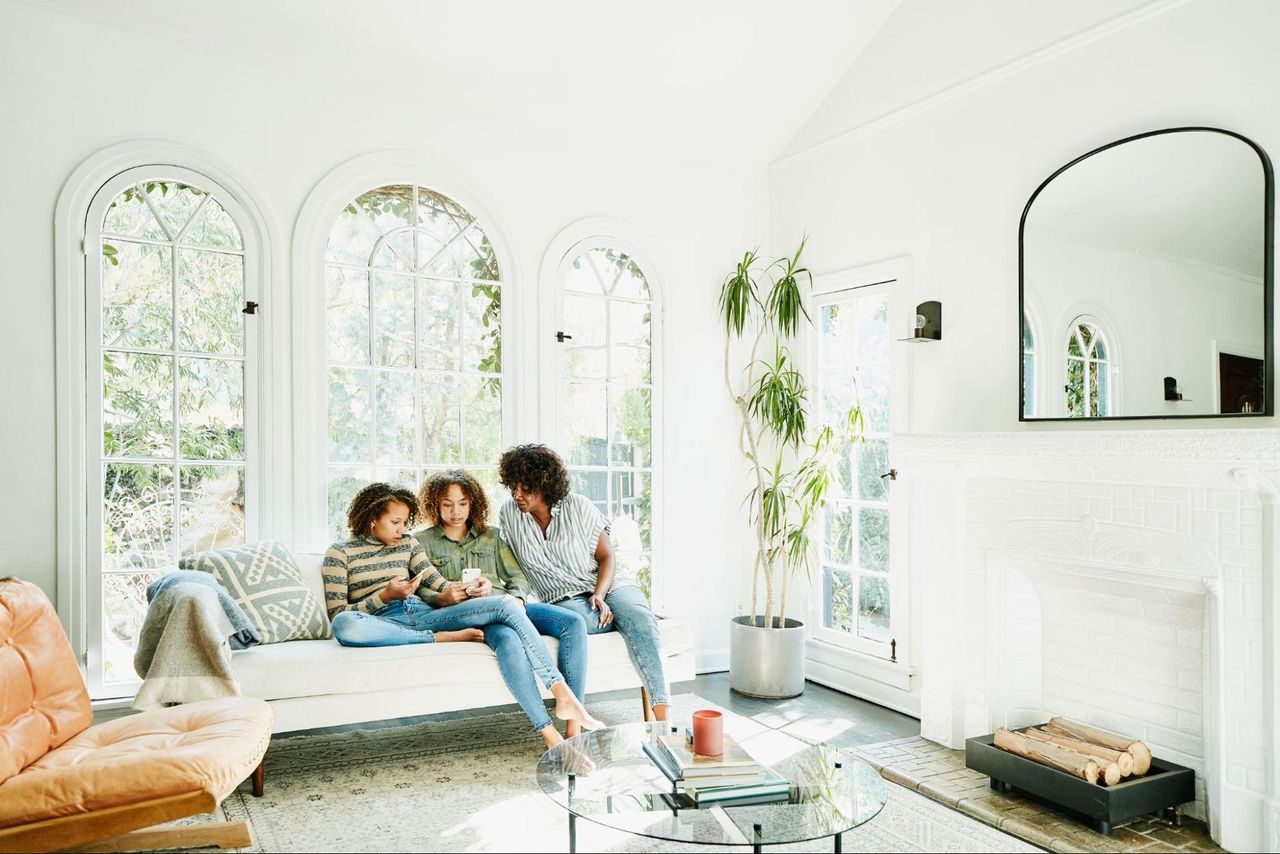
562, 541
455, 505
370, 582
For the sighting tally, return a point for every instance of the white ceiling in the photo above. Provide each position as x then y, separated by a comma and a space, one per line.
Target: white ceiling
719, 80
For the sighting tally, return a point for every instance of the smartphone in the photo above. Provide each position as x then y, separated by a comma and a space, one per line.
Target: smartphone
470, 575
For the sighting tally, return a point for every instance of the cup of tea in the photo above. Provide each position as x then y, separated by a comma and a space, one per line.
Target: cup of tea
708, 732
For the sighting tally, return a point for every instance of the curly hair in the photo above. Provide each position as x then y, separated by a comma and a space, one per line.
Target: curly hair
371, 502
438, 483
538, 469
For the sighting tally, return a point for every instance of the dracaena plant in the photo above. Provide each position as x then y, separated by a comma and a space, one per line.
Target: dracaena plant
791, 460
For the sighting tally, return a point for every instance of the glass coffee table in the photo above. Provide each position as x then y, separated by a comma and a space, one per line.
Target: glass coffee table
605, 777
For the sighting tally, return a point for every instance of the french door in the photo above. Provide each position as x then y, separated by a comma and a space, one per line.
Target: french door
860, 603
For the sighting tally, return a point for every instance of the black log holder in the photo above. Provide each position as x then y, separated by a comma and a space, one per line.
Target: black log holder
1162, 790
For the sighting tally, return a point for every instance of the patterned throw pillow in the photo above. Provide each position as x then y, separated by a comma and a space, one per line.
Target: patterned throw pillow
266, 582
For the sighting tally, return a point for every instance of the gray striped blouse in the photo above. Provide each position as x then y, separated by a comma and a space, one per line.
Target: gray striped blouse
562, 563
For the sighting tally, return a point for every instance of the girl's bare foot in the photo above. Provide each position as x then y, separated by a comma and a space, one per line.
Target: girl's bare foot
660, 711
461, 635
568, 708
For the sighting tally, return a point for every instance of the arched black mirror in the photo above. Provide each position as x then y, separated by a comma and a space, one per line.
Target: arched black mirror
1145, 281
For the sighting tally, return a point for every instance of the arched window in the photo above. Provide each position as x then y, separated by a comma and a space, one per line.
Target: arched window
1028, 369
171, 393
606, 394
1089, 366
413, 339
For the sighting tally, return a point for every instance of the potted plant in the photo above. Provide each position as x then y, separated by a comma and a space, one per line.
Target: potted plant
790, 462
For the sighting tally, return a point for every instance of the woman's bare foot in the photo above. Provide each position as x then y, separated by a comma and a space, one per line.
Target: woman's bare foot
462, 635
660, 711
568, 708
551, 736
572, 728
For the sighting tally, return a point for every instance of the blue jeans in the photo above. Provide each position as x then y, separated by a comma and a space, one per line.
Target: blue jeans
571, 631
639, 629
507, 631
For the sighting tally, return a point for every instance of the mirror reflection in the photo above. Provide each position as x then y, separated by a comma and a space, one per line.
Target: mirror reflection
1146, 281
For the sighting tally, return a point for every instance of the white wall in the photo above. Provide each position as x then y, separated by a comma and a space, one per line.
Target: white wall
942, 179
72, 87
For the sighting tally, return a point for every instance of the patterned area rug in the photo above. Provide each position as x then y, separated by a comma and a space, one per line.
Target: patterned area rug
468, 785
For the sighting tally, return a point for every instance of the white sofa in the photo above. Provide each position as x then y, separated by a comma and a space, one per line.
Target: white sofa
318, 683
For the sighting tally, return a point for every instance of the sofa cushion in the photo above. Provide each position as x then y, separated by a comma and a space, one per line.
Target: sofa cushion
317, 668
266, 582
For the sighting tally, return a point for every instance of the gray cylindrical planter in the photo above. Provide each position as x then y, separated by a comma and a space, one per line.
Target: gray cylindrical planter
766, 662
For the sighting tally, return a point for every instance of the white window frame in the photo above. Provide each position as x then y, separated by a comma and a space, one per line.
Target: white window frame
88, 192
574, 240
1104, 331
848, 662
311, 236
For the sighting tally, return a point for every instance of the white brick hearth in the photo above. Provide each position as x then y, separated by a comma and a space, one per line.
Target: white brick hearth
1112, 576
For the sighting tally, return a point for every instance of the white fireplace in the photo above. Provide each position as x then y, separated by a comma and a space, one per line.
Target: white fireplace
1123, 578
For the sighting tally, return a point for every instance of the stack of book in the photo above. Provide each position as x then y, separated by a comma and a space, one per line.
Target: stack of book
733, 777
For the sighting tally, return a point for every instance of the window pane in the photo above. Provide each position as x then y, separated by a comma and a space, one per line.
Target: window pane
873, 608
344, 483
629, 342
137, 523
347, 316
585, 363
630, 282
482, 338
439, 329
837, 390
873, 461
441, 419
838, 599
873, 394
839, 534
835, 347
585, 420
482, 419
392, 311
631, 414
353, 237
584, 320
873, 539
214, 228
1104, 391
1075, 387
594, 485
870, 335
137, 405
633, 520
350, 415
212, 511
124, 607
210, 302
211, 408
406, 478
395, 415
137, 295
394, 253
581, 278
130, 215
440, 216
176, 203
390, 207
640, 567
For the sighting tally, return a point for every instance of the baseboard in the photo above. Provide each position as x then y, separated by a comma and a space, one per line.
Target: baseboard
864, 688
714, 661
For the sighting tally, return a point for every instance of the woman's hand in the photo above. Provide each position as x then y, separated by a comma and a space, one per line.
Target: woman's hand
451, 594
398, 589
598, 604
480, 587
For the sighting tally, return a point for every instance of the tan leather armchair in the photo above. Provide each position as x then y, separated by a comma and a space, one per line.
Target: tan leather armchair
65, 784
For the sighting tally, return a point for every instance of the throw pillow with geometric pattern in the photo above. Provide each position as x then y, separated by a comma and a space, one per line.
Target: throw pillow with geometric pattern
266, 582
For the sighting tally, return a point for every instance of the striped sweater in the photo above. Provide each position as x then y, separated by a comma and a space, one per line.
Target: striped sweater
356, 570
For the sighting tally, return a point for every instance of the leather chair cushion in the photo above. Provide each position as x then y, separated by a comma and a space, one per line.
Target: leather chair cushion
211, 745
43, 702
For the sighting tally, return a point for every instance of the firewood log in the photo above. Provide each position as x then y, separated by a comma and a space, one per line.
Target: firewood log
1113, 765
1073, 729
1073, 763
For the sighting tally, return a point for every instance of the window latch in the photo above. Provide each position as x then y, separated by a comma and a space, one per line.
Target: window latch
562, 337
892, 474
893, 650
250, 308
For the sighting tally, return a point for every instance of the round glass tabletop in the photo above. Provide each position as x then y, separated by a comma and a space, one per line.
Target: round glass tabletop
606, 777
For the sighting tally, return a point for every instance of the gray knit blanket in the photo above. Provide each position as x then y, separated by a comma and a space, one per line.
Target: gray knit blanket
183, 652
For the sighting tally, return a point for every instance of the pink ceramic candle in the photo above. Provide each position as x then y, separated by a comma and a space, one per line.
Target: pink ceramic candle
708, 733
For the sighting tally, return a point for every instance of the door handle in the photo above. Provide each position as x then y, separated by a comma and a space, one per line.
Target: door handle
892, 474
561, 337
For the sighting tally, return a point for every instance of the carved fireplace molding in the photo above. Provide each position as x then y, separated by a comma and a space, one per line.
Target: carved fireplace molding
972, 523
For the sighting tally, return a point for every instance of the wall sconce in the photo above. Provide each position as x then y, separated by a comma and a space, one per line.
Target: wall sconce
928, 323
1171, 390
